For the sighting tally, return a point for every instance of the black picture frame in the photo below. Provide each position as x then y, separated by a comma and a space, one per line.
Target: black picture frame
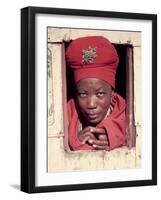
28, 92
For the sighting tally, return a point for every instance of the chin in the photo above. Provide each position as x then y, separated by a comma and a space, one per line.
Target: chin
94, 121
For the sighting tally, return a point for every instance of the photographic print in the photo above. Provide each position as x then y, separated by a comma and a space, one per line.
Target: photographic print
109, 56
88, 99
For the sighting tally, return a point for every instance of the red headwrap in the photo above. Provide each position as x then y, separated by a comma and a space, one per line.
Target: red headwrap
93, 57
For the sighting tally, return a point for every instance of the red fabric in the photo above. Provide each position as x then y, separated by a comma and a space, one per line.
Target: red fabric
114, 124
103, 63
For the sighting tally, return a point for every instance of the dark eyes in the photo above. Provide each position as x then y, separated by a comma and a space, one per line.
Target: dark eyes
84, 94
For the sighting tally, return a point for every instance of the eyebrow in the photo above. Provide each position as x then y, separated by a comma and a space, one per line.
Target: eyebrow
81, 89
100, 88
84, 90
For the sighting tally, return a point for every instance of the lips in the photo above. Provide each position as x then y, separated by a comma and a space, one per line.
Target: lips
93, 115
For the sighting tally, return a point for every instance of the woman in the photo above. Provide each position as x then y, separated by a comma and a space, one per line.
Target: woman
96, 115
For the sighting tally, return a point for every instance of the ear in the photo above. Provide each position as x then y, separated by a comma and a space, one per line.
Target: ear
112, 93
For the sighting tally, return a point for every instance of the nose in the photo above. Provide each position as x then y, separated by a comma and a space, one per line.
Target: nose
91, 102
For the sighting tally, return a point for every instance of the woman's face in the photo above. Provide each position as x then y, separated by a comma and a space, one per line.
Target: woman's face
93, 98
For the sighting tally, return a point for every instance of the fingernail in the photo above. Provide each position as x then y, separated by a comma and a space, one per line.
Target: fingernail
94, 145
91, 130
90, 141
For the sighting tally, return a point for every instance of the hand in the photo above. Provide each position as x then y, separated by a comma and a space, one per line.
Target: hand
86, 135
102, 140
95, 137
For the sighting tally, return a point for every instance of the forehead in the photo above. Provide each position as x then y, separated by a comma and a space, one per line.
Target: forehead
92, 83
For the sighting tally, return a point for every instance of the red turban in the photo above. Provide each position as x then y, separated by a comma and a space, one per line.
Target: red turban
93, 57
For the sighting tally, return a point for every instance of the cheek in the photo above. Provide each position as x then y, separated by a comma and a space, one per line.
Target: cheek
105, 103
81, 104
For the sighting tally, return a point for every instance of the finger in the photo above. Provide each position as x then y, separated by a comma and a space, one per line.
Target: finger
92, 136
103, 137
87, 129
98, 130
100, 142
85, 139
99, 147
88, 137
